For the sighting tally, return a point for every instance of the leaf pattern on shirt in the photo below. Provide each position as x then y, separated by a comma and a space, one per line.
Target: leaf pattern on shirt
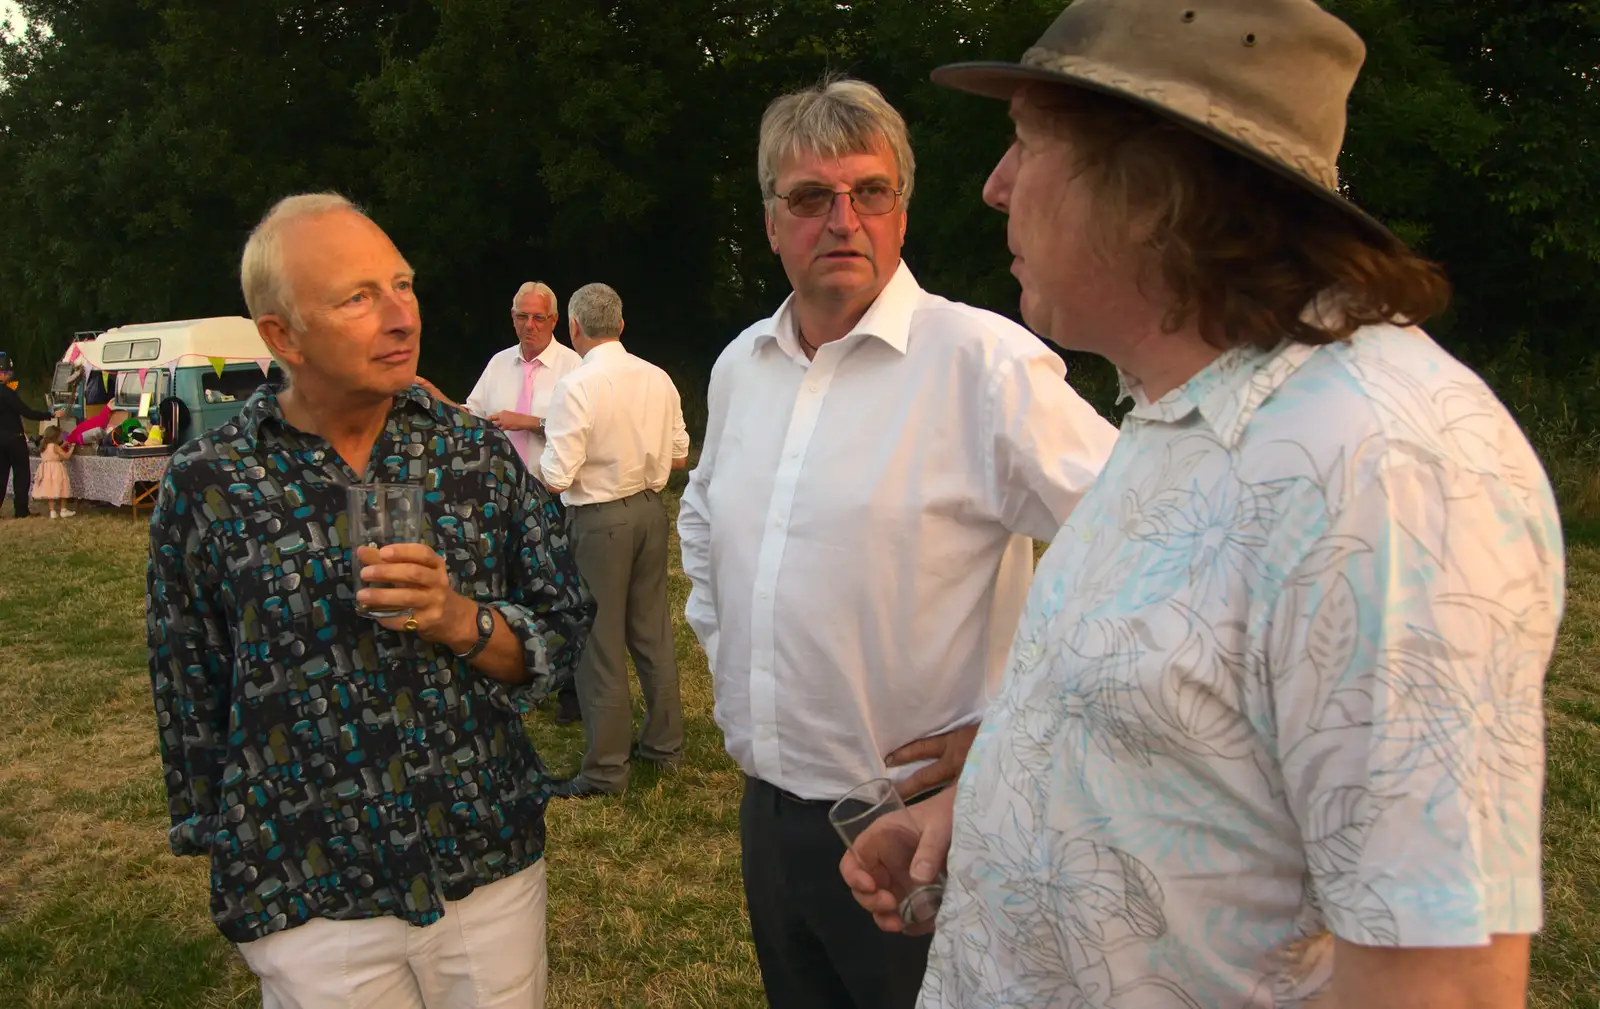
1279, 678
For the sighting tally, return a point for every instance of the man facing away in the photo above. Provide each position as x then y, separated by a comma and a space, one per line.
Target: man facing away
513, 393
615, 433
364, 789
857, 531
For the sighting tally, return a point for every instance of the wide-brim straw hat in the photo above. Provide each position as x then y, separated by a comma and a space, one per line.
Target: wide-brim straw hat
1267, 79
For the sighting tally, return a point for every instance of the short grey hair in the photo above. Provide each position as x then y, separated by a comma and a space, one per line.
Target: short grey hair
267, 290
835, 117
597, 309
540, 288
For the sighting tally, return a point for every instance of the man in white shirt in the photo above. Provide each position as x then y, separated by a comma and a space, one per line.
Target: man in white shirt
513, 393
857, 532
614, 434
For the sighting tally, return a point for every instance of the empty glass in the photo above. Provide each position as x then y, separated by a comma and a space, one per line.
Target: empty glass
381, 514
877, 805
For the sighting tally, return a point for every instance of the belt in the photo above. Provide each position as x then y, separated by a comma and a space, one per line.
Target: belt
644, 495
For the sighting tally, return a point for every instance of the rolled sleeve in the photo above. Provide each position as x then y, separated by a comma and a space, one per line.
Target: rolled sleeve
191, 663
1409, 648
547, 606
1046, 444
566, 434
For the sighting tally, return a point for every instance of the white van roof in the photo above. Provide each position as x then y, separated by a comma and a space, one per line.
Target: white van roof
189, 343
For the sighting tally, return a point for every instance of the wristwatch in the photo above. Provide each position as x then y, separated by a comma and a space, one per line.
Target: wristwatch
485, 620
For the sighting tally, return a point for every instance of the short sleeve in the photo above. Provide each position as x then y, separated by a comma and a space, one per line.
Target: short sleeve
1406, 657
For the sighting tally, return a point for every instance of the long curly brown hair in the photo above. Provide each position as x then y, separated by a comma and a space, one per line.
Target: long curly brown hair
1239, 248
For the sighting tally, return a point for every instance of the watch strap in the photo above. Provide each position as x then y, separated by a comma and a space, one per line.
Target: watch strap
485, 624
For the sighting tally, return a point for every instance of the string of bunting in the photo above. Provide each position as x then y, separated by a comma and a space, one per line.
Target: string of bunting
217, 363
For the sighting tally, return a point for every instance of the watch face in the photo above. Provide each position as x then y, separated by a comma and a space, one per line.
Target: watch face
485, 621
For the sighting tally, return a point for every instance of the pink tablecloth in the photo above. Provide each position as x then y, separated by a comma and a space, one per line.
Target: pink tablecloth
108, 478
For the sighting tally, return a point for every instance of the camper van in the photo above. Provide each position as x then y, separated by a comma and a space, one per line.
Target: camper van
176, 361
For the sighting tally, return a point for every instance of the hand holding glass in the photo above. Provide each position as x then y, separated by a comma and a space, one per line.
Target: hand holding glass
874, 822
382, 514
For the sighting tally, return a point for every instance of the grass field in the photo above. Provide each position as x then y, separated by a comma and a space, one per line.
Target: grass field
645, 904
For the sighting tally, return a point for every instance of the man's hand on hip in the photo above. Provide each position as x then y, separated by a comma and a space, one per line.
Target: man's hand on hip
948, 752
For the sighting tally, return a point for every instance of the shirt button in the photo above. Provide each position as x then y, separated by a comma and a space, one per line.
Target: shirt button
814, 386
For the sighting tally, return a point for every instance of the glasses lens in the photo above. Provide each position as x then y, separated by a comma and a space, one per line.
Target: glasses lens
874, 199
811, 201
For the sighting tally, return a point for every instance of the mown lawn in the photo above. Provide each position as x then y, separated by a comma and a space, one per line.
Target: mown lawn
646, 908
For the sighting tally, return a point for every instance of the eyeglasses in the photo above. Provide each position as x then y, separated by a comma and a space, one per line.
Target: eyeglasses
869, 198
539, 317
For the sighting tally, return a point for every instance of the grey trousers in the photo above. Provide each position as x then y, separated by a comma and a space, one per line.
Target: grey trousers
622, 555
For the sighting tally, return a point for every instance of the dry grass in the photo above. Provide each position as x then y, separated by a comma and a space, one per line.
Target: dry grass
646, 906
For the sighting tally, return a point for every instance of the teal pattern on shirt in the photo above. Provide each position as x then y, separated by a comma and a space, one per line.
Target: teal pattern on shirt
329, 767
1278, 679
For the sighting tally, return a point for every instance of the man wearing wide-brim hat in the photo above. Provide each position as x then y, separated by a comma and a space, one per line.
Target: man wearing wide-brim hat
1271, 730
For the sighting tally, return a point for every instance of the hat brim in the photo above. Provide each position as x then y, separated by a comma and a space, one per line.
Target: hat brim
997, 79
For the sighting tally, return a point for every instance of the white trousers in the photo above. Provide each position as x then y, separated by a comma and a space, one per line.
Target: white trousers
487, 952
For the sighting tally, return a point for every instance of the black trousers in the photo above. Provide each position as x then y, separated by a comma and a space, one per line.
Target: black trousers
14, 463
817, 947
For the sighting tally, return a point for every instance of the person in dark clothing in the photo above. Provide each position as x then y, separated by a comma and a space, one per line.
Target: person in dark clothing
14, 471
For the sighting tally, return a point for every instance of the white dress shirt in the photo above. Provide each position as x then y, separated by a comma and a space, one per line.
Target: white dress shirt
500, 385
615, 426
857, 529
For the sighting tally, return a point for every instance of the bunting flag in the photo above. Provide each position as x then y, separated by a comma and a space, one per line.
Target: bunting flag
217, 364
142, 373
74, 355
265, 363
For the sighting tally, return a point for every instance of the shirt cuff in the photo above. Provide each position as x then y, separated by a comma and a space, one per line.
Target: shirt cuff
542, 680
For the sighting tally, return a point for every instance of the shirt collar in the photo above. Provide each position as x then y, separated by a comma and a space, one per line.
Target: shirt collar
545, 357
887, 319
600, 351
263, 406
1226, 393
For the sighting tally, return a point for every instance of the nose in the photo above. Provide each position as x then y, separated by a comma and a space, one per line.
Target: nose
401, 313
842, 216
997, 191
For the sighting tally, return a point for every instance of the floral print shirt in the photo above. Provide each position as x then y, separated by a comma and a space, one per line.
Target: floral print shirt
1279, 676
329, 767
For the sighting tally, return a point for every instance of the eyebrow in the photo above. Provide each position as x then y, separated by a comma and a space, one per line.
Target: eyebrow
879, 177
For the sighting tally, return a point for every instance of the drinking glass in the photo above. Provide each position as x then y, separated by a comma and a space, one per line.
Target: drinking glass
381, 514
875, 804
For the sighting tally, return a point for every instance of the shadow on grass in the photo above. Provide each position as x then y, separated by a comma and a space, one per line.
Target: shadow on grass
75, 951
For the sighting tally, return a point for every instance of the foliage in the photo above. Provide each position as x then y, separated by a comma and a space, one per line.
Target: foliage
571, 141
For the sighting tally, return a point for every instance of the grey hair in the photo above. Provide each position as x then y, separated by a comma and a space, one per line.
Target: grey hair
598, 310
267, 290
835, 117
540, 288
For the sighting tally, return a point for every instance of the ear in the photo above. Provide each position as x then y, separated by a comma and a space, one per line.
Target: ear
772, 229
280, 340
620, 327
904, 219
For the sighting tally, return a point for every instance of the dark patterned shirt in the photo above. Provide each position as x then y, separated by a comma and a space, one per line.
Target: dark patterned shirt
327, 766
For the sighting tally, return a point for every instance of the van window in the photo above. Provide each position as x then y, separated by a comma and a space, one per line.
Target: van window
238, 383
131, 351
129, 388
66, 376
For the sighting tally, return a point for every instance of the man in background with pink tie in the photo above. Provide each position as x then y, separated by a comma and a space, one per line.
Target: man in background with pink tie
513, 393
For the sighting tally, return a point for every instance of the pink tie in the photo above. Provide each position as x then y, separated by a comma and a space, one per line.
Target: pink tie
525, 407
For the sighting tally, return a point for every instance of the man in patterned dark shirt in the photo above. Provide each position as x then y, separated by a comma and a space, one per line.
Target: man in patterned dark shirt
370, 803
